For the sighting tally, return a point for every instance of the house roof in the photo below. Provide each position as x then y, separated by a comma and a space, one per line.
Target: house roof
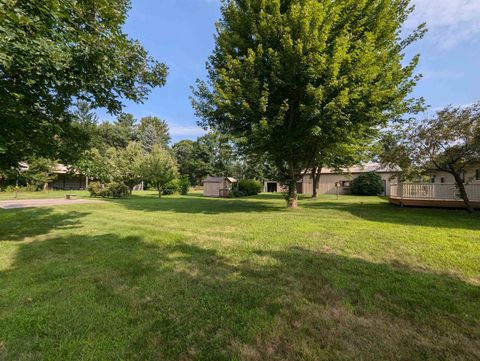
62, 169
365, 168
59, 168
219, 180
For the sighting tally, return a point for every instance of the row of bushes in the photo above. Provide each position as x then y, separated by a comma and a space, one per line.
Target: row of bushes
109, 190
27, 188
120, 190
246, 187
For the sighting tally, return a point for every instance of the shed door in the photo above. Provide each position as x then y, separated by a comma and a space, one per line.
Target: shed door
271, 187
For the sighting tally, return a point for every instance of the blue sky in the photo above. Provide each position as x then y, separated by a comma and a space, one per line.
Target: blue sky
180, 33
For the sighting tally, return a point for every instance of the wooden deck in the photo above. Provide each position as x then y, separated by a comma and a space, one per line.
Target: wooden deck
432, 203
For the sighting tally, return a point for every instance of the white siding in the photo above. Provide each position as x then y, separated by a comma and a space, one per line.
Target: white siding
448, 178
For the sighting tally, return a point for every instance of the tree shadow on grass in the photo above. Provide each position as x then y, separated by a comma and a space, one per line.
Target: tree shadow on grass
387, 213
110, 297
17, 224
198, 204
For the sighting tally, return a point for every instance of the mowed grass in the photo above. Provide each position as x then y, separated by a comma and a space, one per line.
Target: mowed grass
5, 196
191, 278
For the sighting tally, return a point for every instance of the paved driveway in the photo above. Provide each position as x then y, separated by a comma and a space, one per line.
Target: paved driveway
28, 203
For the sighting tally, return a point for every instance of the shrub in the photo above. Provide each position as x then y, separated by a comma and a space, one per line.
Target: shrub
235, 193
30, 187
117, 190
171, 187
250, 187
11, 188
95, 189
184, 185
114, 190
368, 184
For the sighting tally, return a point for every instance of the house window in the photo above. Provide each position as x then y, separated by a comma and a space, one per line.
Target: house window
432, 179
346, 184
442, 180
477, 174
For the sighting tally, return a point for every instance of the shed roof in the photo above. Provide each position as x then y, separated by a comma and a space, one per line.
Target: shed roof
219, 180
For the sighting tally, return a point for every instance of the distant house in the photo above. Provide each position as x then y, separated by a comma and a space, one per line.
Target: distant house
68, 179
329, 179
218, 186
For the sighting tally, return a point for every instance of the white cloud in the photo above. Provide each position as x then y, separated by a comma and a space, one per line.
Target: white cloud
442, 74
185, 130
450, 22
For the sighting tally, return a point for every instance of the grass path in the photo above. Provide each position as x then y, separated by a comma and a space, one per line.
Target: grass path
192, 278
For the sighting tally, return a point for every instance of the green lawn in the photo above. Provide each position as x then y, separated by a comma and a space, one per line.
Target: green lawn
190, 278
38, 195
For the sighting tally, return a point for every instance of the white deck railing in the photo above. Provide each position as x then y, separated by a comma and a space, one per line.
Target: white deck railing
442, 191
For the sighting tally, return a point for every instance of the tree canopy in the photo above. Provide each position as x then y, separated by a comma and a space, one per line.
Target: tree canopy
286, 75
126, 164
159, 168
153, 130
54, 53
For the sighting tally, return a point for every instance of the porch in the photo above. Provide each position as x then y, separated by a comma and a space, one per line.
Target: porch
432, 195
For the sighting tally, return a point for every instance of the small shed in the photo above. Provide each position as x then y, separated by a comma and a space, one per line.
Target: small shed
218, 186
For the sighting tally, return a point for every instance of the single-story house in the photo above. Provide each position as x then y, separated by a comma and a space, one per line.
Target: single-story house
68, 179
470, 176
218, 186
329, 178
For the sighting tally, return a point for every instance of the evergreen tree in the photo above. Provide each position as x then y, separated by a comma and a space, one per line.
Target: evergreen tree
153, 130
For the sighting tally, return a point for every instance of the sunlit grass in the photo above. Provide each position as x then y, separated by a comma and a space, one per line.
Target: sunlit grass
197, 278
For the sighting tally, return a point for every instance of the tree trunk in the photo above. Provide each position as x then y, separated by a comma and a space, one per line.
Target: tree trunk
316, 180
45, 187
159, 192
292, 201
463, 192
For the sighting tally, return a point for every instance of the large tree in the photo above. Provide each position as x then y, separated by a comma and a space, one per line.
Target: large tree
54, 53
286, 74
